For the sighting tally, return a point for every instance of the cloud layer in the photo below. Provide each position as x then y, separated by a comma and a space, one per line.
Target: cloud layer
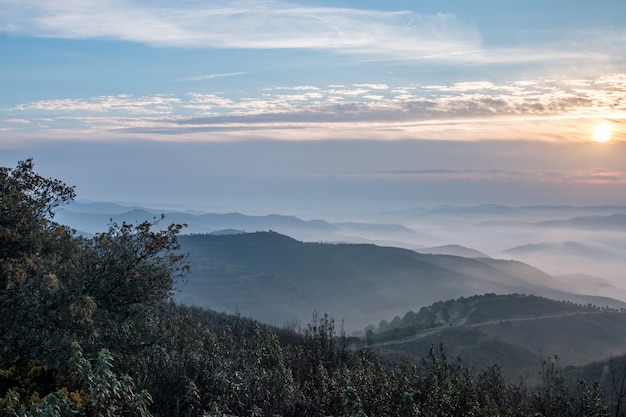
554, 109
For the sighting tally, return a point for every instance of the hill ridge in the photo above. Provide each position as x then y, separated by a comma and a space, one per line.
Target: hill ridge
276, 278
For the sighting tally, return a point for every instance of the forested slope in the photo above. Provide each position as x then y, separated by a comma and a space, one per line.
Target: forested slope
515, 331
89, 329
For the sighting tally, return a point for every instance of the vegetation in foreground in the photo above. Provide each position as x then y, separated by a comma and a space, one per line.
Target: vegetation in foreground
88, 329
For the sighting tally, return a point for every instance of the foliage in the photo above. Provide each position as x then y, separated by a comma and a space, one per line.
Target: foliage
36, 260
99, 392
109, 297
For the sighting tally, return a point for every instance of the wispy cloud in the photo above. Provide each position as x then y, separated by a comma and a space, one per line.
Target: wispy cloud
270, 24
239, 24
211, 76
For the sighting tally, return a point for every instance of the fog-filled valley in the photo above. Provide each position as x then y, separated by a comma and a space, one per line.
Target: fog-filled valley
371, 314
581, 248
372, 271
312, 208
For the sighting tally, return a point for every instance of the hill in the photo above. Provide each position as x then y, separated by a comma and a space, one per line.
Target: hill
454, 250
514, 331
612, 222
277, 279
90, 218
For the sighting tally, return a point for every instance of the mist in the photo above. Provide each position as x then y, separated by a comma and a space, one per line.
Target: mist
489, 196
583, 260
331, 179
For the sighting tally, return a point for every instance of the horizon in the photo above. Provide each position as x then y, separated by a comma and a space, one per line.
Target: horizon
318, 107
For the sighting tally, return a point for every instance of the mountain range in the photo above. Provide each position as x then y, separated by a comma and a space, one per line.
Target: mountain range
445, 237
278, 279
385, 275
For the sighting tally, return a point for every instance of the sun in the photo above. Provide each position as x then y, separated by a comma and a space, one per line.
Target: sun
602, 133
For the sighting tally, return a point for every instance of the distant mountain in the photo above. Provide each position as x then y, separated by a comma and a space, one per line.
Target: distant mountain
227, 232
497, 215
491, 210
89, 207
90, 218
454, 250
375, 228
514, 331
571, 248
85, 217
586, 283
276, 279
504, 211
612, 222
565, 258
378, 233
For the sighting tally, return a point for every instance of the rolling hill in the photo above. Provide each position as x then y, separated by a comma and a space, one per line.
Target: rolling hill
454, 250
612, 222
514, 331
277, 279
91, 218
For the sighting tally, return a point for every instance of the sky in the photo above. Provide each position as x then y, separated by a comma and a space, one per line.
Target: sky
318, 107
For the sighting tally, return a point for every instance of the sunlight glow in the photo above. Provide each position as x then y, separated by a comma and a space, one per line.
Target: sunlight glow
602, 133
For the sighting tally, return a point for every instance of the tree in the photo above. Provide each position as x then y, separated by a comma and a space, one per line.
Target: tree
37, 257
27, 204
56, 288
127, 274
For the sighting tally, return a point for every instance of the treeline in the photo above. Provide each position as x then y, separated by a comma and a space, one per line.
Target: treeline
88, 328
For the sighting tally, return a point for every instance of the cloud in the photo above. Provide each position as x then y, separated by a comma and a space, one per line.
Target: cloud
241, 24
295, 88
371, 35
373, 86
211, 76
155, 104
551, 109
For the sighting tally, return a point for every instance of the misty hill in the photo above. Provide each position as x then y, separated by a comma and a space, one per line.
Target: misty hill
96, 207
276, 279
375, 228
87, 218
571, 256
571, 248
612, 222
514, 331
454, 250
555, 220
501, 212
90, 218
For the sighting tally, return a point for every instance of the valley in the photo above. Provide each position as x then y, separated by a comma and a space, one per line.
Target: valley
383, 276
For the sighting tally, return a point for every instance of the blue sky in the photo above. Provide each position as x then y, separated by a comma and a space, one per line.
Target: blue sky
316, 105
